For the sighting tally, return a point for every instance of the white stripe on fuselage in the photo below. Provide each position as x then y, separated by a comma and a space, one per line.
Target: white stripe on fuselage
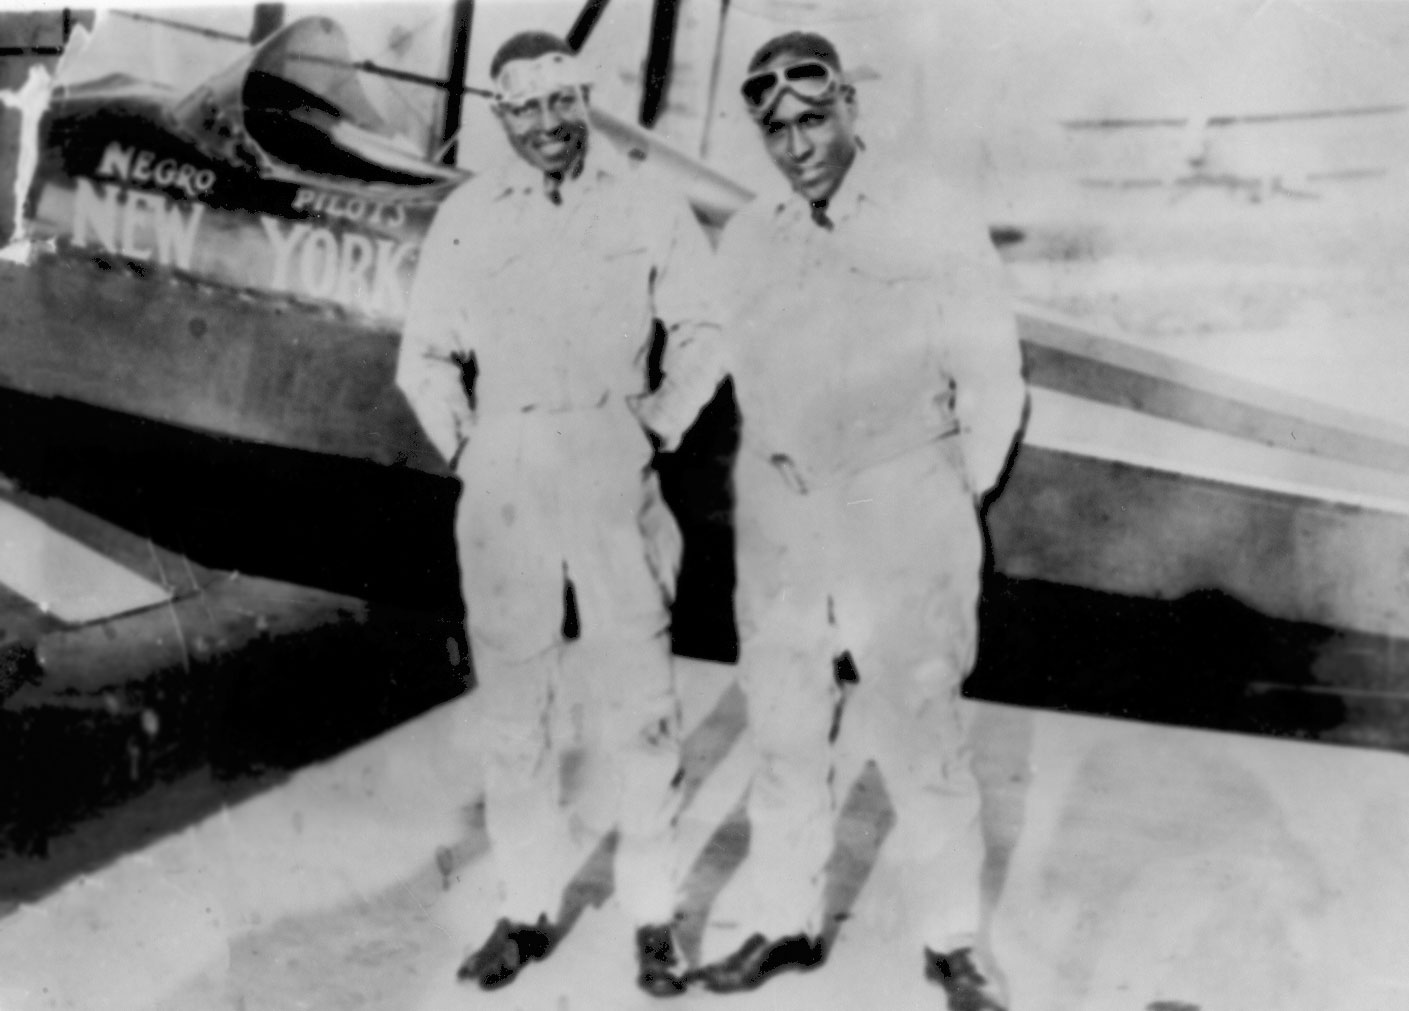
1086, 427
63, 577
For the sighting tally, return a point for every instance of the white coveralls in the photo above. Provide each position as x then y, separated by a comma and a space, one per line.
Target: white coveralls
878, 376
554, 306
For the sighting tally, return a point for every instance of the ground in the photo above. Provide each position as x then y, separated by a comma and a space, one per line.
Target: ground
1129, 865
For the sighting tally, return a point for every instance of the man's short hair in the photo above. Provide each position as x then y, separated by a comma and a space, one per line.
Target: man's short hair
796, 44
526, 46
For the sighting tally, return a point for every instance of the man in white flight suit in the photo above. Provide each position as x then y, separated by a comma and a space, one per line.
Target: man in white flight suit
531, 318
876, 365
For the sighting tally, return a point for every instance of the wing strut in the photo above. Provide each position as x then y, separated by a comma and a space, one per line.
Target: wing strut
455, 79
656, 80
587, 20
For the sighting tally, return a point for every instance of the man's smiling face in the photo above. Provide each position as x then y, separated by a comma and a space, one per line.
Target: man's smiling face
549, 131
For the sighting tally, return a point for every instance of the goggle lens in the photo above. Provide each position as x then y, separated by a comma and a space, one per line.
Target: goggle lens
758, 88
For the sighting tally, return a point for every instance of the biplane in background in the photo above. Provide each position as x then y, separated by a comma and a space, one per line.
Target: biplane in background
1268, 160
202, 340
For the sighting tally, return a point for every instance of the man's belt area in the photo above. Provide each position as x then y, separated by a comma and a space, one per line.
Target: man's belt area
587, 404
508, 415
804, 473
597, 425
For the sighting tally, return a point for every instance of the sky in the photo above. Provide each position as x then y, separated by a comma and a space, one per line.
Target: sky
978, 87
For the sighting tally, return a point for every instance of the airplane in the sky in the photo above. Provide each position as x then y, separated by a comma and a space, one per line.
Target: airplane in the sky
1202, 161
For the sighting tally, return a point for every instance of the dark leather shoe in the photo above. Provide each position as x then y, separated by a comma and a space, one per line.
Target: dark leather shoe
655, 955
509, 948
965, 986
756, 960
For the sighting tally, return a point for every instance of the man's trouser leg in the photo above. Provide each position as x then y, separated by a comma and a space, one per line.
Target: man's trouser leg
631, 757
619, 670
791, 699
909, 617
507, 532
785, 671
530, 838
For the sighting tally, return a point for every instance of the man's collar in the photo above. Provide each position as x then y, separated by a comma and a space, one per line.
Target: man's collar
855, 188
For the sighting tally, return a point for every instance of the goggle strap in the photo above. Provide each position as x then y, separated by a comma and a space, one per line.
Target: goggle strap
521, 80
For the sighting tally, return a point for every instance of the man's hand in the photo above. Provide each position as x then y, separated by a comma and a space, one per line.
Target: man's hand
651, 411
